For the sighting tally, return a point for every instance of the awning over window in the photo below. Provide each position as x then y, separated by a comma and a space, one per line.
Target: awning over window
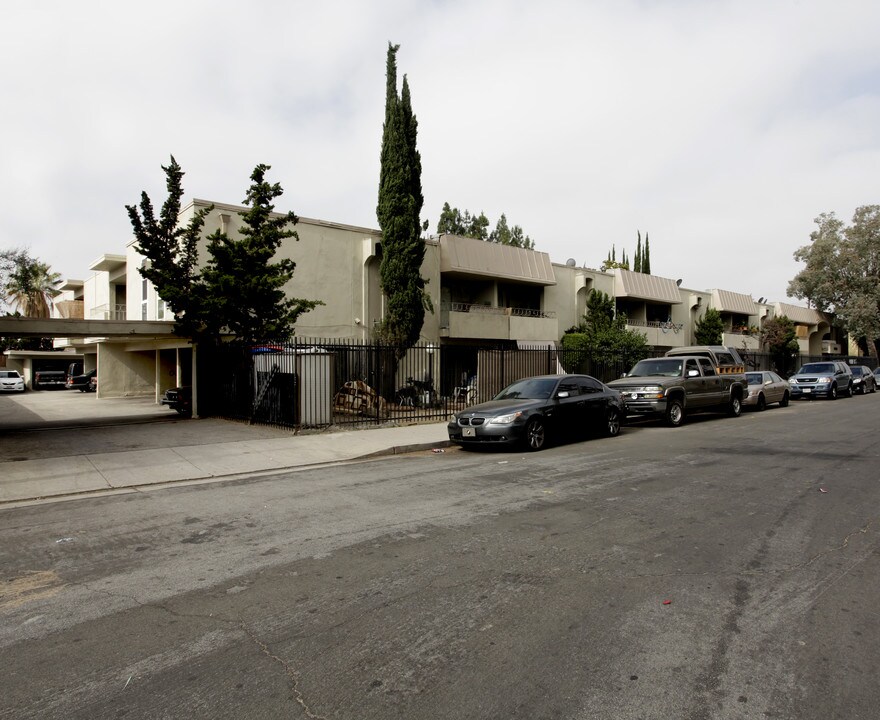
731, 302
628, 284
478, 257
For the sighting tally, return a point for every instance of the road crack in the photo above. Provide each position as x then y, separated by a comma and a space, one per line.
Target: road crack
291, 673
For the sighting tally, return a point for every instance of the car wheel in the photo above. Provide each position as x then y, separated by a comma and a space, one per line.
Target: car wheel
734, 407
762, 403
785, 399
612, 423
536, 436
832, 393
674, 413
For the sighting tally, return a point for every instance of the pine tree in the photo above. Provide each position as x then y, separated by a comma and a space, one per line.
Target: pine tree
398, 209
244, 289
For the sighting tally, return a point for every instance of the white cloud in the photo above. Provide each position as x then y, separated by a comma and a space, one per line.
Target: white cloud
722, 129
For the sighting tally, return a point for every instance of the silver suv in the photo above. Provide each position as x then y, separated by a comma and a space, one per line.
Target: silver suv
826, 379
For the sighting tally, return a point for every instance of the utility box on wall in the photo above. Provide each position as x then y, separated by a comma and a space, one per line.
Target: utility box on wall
296, 385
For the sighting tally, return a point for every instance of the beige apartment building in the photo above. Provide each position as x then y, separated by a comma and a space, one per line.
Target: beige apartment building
482, 293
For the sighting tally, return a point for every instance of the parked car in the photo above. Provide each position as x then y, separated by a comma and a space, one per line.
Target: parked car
828, 379
764, 388
11, 381
83, 382
49, 379
180, 399
864, 380
534, 410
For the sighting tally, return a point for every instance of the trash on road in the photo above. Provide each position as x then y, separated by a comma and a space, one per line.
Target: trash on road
667, 602
438, 450
822, 490
64, 540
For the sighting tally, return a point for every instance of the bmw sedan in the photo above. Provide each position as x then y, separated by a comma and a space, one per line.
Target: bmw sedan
535, 410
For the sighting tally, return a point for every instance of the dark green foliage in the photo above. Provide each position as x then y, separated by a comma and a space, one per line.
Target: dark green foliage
646, 257
240, 291
604, 335
171, 252
779, 337
842, 272
398, 209
453, 222
244, 289
637, 263
709, 328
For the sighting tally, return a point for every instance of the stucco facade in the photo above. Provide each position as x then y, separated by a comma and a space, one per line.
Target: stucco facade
481, 293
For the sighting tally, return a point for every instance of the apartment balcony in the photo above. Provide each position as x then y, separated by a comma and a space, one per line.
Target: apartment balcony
108, 312
742, 340
472, 320
662, 334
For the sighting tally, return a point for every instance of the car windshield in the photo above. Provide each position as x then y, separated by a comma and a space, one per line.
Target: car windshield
9, 374
530, 388
856, 371
755, 378
667, 367
813, 368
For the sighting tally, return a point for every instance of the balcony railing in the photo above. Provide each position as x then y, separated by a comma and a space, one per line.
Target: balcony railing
491, 310
108, 312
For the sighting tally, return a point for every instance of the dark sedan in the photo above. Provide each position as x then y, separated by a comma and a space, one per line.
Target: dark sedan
534, 410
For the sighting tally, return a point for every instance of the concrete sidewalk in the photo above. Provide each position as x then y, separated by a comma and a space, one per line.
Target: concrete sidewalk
203, 458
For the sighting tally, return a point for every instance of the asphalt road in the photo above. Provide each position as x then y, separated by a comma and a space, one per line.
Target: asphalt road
725, 569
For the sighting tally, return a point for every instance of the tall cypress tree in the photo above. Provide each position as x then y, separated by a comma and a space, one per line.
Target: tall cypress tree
646, 257
637, 263
400, 203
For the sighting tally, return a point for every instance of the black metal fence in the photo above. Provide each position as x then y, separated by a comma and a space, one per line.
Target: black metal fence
311, 383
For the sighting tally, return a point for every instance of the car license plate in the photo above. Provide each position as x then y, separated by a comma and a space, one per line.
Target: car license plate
468, 432
807, 391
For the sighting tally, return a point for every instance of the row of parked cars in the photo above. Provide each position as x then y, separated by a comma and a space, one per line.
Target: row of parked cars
532, 411
74, 379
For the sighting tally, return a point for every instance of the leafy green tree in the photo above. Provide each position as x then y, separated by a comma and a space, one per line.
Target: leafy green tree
454, 222
28, 283
243, 288
604, 336
503, 234
709, 328
172, 254
239, 291
612, 262
842, 273
779, 336
400, 202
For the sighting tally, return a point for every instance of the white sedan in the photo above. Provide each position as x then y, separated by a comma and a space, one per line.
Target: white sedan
11, 381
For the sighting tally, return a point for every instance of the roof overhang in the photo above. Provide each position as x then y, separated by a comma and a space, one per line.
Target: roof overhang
468, 256
802, 315
108, 263
628, 284
731, 302
73, 327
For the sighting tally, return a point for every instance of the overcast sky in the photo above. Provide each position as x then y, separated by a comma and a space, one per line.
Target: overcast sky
721, 129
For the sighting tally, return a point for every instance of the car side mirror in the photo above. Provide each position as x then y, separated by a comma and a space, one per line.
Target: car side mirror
562, 394
693, 373
623, 375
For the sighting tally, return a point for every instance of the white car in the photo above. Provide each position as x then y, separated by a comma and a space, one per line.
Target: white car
11, 381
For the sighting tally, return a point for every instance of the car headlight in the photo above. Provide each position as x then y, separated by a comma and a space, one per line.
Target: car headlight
648, 391
823, 380
505, 419
752, 393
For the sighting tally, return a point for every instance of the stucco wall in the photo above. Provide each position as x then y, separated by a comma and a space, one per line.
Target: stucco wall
126, 374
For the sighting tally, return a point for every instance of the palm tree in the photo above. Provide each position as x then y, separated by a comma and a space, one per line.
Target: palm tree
31, 286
